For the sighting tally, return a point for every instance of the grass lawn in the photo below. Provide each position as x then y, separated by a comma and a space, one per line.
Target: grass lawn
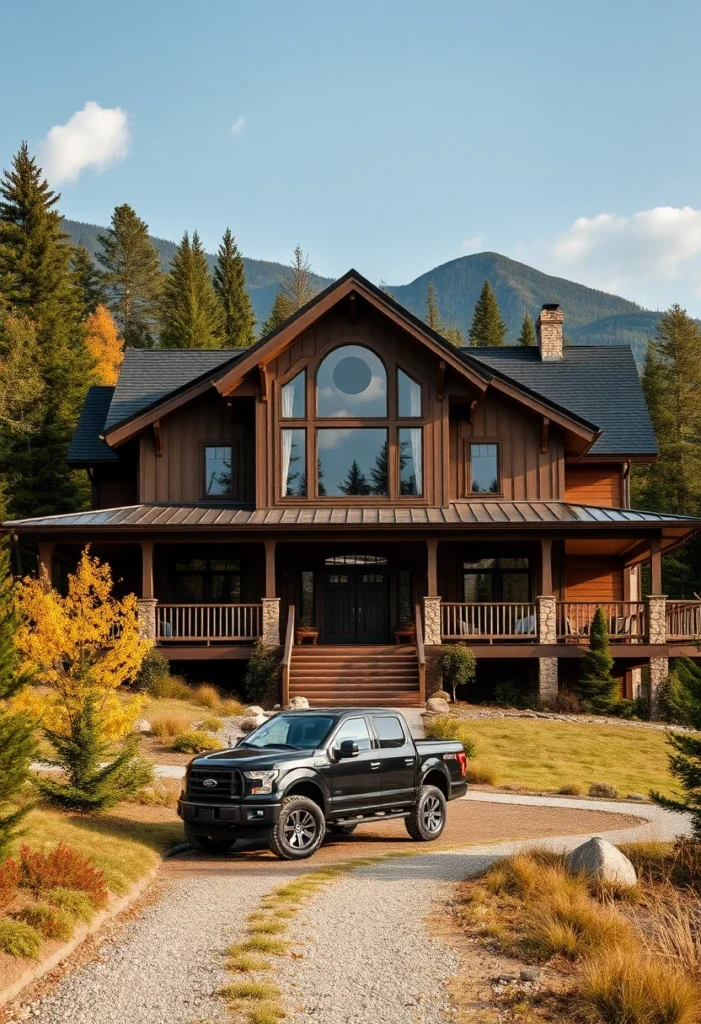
545, 755
125, 843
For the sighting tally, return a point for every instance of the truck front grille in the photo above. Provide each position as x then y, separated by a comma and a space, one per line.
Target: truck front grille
228, 785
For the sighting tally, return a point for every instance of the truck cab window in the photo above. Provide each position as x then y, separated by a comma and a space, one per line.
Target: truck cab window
354, 729
389, 732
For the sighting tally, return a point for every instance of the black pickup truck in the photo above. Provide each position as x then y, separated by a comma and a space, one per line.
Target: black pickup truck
304, 773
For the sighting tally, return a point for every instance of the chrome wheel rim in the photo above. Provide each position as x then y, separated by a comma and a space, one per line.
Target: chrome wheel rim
432, 814
300, 829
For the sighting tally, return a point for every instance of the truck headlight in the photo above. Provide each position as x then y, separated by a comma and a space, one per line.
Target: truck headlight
262, 781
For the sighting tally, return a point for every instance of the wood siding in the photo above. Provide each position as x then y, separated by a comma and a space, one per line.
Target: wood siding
593, 578
594, 485
114, 487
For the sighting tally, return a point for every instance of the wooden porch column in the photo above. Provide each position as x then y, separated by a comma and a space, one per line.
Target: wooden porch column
270, 568
655, 566
546, 566
271, 603
432, 576
147, 569
46, 560
432, 602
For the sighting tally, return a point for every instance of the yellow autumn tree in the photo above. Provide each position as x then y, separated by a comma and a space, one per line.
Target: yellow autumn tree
104, 344
83, 647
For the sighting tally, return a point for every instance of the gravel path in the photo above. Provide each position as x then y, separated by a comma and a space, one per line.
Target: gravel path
367, 956
166, 966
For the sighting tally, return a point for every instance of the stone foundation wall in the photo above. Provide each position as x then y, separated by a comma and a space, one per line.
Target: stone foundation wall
547, 678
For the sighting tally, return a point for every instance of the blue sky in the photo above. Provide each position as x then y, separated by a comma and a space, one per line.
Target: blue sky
391, 136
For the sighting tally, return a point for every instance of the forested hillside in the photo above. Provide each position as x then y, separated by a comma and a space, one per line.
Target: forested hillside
591, 317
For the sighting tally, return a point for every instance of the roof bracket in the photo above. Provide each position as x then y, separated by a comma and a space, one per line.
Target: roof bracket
157, 438
263, 382
441, 380
471, 410
544, 435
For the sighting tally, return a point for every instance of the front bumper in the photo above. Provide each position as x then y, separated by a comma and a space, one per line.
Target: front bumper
240, 817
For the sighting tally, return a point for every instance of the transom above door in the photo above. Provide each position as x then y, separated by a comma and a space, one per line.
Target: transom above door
356, 600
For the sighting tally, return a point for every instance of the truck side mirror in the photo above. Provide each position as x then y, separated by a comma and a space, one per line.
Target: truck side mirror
347, 749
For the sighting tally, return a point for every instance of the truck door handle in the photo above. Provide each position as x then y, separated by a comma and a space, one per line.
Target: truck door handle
408, 760
374, 764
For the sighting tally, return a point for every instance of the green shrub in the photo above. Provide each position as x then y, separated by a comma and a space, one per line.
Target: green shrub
510, 695
262, 673
679, 695
444, 727
154, 672
78, 904
456, 666
597, 689
196, 741
19, 939
170, 687
685, 766
52, 922
212, 724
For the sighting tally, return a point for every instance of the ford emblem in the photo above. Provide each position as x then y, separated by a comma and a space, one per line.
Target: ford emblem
209, 782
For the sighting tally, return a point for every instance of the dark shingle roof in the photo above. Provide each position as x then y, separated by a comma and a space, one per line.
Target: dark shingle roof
87, 448
148, 375
600, 383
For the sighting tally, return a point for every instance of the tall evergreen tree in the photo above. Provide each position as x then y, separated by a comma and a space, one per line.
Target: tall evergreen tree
133, 275
88, 280
36, 279
230, 286
281, 310
527, 336
597, 687
191, 315
299, 287
487, 326
433, 317
356, 482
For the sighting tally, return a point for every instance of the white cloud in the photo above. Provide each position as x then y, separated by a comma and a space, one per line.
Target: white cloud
472, 244
238, 126
93, 137
652, 256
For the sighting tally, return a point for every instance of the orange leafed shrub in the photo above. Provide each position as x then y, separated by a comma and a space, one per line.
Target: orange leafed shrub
10, 877
104, 344
62, 867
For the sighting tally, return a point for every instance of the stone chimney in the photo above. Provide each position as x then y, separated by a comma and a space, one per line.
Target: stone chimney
549, 331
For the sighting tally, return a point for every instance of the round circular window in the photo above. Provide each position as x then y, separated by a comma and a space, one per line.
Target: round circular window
352, 375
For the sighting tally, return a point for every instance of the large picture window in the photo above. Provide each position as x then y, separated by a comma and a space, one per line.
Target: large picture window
497, 579
352, 462
208, 580
351, 383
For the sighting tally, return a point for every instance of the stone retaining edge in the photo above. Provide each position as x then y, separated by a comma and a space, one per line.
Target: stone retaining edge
83, 931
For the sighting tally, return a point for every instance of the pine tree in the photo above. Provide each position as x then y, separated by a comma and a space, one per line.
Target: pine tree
356, 482
527, 336
487, 326
17, 745
299, 288
685, 766
37, 281
133, 275
88, 280
230, 286
281, 311
191, 315
454, 335
433, 317
597, 688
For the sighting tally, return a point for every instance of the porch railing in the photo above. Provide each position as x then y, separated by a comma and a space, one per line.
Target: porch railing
207, 623
488, 621
683, 620
627, 620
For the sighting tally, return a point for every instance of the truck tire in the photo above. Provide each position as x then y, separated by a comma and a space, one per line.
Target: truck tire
341, 830
300, 829
427, 818
206, 844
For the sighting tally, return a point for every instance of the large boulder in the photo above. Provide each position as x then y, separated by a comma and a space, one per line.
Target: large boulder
251, 722
437, 706
252, 711
297, 704
441, 694
141, 725
599, 859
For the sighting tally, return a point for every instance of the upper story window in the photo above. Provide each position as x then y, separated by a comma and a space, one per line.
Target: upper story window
351, 383
293, 398
484, 469
217, 471
408, 395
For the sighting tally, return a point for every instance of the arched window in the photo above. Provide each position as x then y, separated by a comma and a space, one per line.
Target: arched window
351, 383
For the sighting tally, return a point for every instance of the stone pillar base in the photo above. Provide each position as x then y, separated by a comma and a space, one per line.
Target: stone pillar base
659, 669
547, 678
657, 619
432, 621
146, 613
547, 619
271, 621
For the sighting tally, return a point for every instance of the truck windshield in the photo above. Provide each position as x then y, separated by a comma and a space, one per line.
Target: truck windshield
294, 732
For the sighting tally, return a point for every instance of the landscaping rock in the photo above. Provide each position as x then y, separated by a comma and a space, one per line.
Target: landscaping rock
437, 706
530, 973
251, 722
636, 796
603, 789
441, 695
252, 711
141, 725
599, 859
298, 704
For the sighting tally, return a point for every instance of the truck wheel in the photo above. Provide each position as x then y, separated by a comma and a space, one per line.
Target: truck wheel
427, 818
341, 830
208, 845
300, 829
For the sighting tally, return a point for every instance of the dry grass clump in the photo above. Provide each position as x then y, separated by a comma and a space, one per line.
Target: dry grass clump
570, 789
617, 988
207, 696
169, 726
51, 922
77, 904
211, 724
677, 864
195, 741
17, 938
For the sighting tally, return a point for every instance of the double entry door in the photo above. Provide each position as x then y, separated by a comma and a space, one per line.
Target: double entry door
356, 605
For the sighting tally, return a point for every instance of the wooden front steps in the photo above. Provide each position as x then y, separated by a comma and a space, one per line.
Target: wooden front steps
353, 676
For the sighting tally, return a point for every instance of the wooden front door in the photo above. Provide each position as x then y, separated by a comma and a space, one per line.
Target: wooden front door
356, 605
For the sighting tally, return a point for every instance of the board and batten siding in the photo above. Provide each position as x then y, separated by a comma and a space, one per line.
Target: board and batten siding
594, 485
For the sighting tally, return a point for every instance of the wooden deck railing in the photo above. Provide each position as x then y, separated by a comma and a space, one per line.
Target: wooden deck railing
421, 654
205, 623
287, 655
683, 620
481, 620
627, 620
